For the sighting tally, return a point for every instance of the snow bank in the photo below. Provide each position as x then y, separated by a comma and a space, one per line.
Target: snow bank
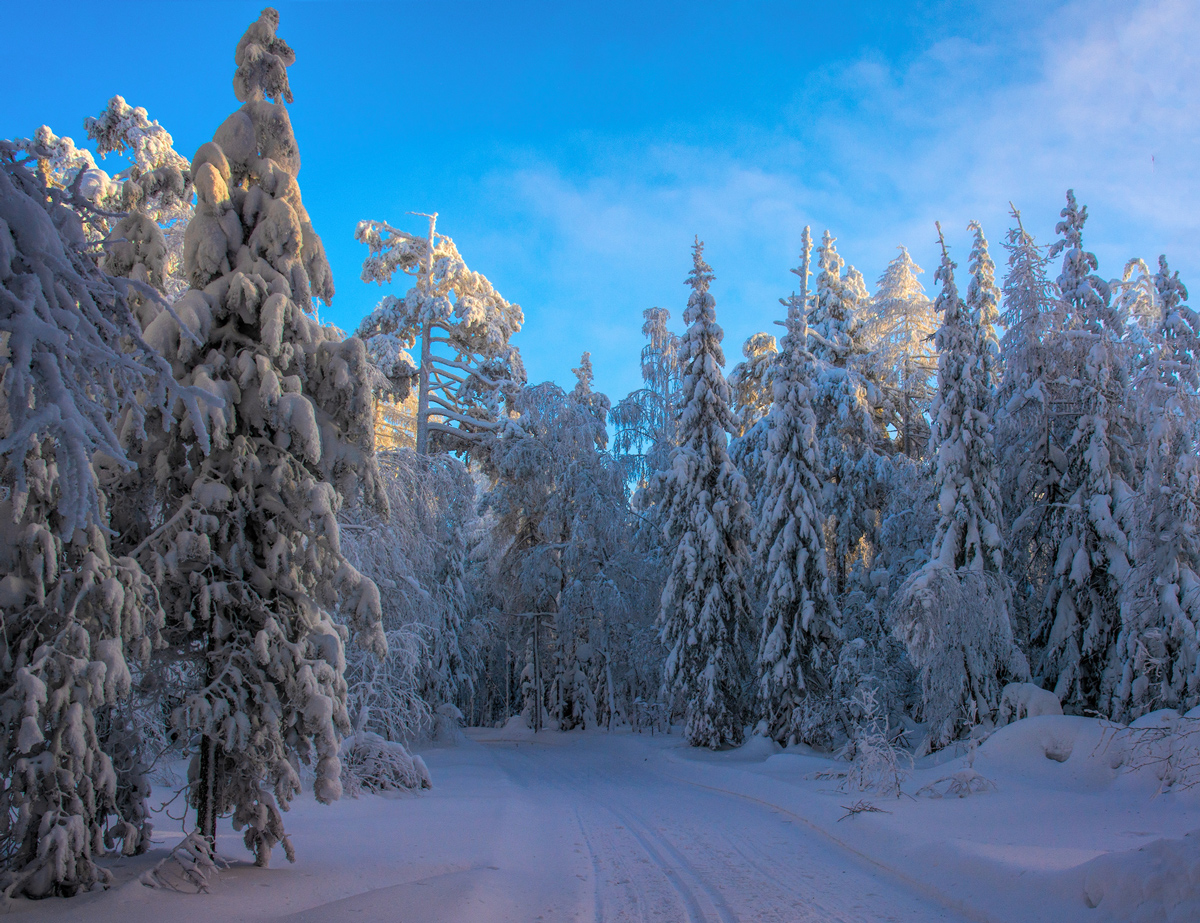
1058, 820
1060, 751
1159, 883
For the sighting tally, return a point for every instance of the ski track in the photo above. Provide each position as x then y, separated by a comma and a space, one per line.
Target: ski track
690, 886
685, 852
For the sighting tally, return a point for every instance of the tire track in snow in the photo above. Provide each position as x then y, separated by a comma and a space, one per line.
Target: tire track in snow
524, 771
919, 887
785, 903
798, 881
748, 852
702, 903
788, 899
639, 897
597, 909
682, 875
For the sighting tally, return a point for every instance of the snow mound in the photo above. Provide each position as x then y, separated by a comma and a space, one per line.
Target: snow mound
1165, 719
1026, 700
447, 725
758, 748
1062, 751
1159, 882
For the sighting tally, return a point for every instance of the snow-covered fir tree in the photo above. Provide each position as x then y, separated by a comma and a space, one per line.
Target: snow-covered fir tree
799, 640
247, 557
969, 532
750, 387
705, 615
1029, 480
466, 364
1158, 647
750, 381
898, 334
561, 520
953, 613
848, 407
75, 615
983, 301
1088, 425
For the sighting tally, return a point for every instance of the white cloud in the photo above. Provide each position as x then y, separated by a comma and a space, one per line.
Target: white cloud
1102, 97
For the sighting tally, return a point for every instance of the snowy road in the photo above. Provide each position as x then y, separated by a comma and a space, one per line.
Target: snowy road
523, 829
658, 847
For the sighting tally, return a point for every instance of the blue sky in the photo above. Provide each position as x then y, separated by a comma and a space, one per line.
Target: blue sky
574, 150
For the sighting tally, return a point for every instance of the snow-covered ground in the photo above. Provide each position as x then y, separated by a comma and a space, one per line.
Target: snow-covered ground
628, 827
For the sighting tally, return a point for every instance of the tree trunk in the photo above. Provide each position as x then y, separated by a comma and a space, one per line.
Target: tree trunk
206, 796
423, 394
537, 673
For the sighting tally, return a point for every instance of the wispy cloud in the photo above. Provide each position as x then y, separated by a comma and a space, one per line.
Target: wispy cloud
1102, 97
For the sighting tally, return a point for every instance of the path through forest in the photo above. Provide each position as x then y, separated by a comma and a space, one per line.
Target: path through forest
658, 846
527, 828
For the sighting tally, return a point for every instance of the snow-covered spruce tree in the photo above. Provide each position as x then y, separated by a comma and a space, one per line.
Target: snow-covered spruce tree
965, 459
898, 335
1029, 481
561, 517
247, 559
849, 409
1158, 648
463, 325
1089, 426
705, 616
952, 614
155, 194
74, 615
750, 381
798, 645
750, 388
983, 301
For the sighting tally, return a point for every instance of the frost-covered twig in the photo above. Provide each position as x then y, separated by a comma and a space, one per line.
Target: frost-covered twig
1171, 751
860, 807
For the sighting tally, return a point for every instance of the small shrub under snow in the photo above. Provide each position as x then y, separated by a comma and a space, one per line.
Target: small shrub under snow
372, 764
877, 763
966, 781
1164, 743
189, 867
